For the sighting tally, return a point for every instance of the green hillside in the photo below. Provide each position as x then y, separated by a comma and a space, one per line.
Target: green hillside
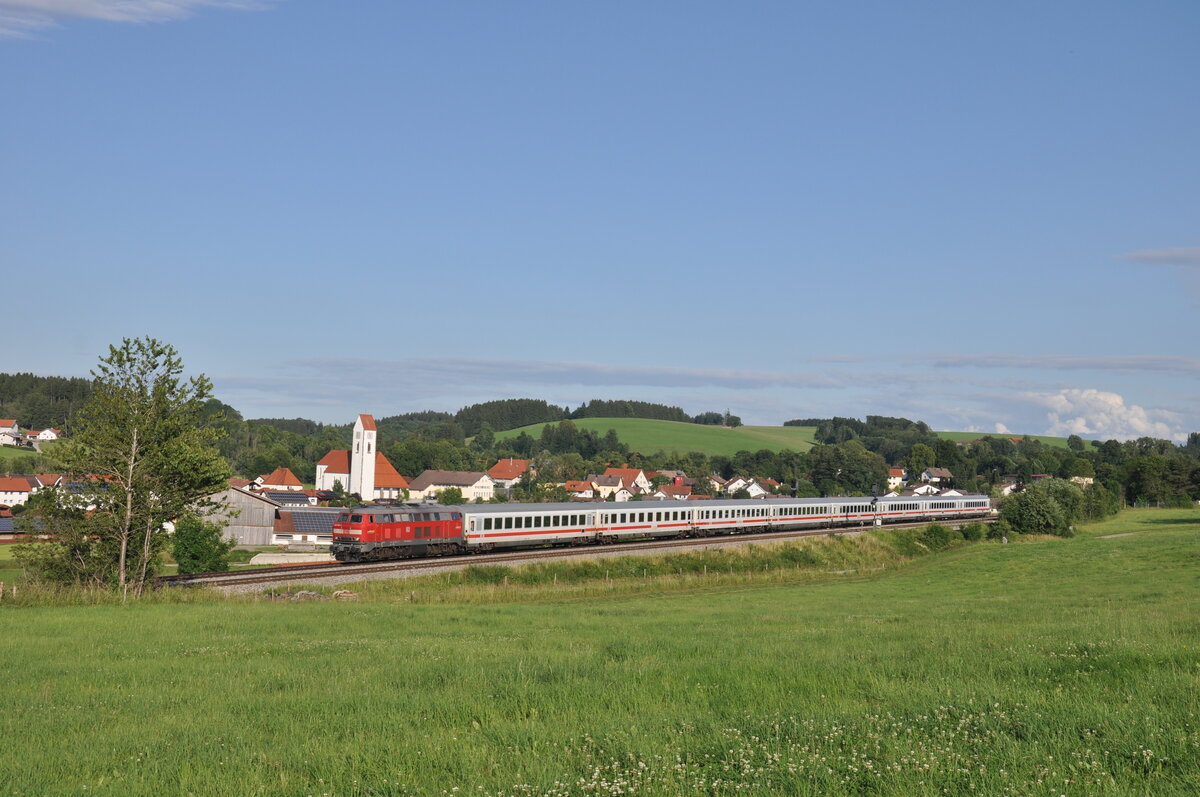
1057, 442
649, 436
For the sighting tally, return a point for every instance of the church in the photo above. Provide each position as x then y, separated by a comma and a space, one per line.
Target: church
362, 469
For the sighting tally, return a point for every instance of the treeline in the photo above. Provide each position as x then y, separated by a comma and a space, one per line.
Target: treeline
505, 414
37, 402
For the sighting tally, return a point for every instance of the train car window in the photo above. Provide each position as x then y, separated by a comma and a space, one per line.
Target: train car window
537, 521
487, 524
356, 518
508, 522
622, 520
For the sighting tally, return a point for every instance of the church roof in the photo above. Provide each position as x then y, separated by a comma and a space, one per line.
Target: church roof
386, 475
336, 461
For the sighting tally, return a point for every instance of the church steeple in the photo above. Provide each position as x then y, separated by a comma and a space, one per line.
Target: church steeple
362, 458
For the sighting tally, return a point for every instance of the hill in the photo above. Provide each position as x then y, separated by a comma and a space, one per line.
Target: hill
1057, 442
649, 436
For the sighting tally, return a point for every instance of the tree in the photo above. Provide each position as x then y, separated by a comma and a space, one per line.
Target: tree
200, 547
142, 436
919, 458
451, 496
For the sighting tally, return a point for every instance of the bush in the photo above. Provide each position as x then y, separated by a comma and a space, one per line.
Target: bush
974, 531
199, 546
999, 530
936, 537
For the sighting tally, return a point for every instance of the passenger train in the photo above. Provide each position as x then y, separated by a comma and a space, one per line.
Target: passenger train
403, 531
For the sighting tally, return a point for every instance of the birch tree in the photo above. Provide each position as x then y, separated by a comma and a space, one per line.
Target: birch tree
144, 447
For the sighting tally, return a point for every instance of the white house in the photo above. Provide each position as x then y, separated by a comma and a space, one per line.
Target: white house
896, 478
47, 434
936, 475
475, 485
581, 489
15, 490
507, 472
633, 478
10, 432
623, 494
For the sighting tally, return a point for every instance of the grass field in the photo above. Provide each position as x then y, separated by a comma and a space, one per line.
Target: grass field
14, 453
1057, 442
650, 436
1043, 667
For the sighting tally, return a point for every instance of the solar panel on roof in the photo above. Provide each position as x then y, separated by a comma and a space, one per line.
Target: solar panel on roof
6, 524
314, 521
286, 497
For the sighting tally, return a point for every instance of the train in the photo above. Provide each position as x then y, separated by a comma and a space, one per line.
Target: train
403, 531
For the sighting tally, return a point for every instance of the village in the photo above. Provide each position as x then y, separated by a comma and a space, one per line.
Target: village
278, 509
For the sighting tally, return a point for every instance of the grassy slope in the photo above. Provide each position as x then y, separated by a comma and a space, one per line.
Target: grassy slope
649, 436
1057, 442
1046, 667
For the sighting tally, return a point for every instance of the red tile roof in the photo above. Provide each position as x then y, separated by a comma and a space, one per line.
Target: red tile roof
368, 422
627, 474
509, 469
897, 472
336, 461
48, 479
579, 486
281, 476
8, 421
14, 484
235, 482
674, 489
386, 475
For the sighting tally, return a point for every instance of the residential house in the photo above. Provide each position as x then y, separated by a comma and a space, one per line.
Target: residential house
636, 480
717, 483
46, 434
279, 479
920, 488
475, 485
737, 483
10, 432
896, 478
623, 494
605, 485
507, 472
1083, 481
936, 475
581, 489
672, 492
48, 479
770, 485
15, 490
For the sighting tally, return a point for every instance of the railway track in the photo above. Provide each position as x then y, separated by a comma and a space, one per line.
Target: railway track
347, 572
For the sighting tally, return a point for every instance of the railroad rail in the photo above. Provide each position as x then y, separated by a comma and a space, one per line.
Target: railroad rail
348, 572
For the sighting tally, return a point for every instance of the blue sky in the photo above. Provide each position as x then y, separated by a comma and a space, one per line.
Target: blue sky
985, 217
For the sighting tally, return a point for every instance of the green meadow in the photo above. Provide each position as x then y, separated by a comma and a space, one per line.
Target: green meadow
1056, 442
650, 436
1042, 666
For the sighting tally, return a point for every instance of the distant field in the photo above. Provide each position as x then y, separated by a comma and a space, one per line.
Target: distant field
12, 452
1057, 442
649, 436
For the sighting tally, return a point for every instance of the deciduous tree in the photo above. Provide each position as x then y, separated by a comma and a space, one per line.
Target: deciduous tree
142, 440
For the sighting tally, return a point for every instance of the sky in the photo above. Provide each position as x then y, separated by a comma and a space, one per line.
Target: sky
983, 216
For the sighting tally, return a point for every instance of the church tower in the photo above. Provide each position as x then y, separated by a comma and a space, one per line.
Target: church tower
362, 458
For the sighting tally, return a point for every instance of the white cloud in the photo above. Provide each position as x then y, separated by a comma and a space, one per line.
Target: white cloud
1002, 429
19, 18
1104, 415
1184, 256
